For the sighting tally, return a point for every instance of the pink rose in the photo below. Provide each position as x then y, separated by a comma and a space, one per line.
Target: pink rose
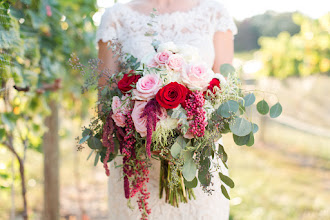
197, 76
118, 115
147, 87
119, 110
162, 57
140, 124
175, 62
152, 63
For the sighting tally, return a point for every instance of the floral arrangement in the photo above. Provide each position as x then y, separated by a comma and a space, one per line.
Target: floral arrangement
171, 107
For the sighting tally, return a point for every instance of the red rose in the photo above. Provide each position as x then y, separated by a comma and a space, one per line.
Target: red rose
125, 84
214, 83
171, 95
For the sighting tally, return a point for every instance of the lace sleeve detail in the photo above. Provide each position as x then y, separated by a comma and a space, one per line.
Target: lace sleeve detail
108, 29
222, 20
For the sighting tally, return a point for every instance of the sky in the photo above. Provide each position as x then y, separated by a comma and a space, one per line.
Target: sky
241, 9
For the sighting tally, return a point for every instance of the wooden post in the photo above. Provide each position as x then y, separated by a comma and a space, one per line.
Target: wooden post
51, 165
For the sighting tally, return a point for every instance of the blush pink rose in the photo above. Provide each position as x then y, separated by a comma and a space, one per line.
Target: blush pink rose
152, 64
162, 57
197, 76
175, 62
119, 111
147, 87
140, 124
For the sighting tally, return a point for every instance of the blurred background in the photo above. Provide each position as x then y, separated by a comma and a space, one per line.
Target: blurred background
282, 47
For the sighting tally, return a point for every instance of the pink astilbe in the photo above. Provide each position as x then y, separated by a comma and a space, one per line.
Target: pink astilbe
126, 187
135, 176
195, 111
151, 111
108, 141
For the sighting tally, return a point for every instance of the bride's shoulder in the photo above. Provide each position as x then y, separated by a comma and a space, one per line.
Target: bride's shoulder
214, 5
113, 10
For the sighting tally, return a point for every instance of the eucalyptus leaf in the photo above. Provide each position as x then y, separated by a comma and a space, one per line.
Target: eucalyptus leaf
86, 132
255, 128
251, 140
180, 140
240, 141
97, 157
240, 127
189, 167
189, 170
191, 184
94, 143
176, 150
205, 163
226, 69
249, 99
227, 180
276, 110
263, 107
224, 192
90, 154
223, 154
228, 108
85, 138
204, 176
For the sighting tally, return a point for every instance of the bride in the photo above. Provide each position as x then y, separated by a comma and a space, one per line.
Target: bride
204, 24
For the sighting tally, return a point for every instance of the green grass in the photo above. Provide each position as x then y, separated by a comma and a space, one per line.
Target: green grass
273, 184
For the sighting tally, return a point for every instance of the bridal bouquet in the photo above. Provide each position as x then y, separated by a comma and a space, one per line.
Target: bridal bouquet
172, 107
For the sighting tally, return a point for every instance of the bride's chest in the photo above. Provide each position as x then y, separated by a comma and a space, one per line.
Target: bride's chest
136, 35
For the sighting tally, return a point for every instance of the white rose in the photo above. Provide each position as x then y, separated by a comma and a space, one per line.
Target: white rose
147, 59
189, 53
169, 76
220, 78
170, 46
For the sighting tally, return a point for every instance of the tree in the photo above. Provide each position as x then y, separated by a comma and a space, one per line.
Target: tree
302, 54
36, 40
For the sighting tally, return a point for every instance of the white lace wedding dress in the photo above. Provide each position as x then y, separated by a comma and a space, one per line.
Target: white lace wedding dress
195, 27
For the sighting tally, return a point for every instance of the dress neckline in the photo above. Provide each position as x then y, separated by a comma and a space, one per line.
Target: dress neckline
167, 14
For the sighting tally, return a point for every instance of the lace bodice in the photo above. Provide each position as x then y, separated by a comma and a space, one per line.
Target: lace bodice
195, 27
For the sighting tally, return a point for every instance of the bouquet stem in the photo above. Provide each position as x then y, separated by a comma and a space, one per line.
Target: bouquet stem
174, 193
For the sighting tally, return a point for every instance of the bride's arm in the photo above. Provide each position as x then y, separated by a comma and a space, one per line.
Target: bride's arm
108, 61
224, 49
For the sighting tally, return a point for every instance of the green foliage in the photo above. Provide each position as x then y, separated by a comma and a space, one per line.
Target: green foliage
36, 40
241, 127
275, 110
249, 99
269, 24
263, 107
229, 182
224, 191
302, 54
226, 69
191, 184
189, 167
228, 108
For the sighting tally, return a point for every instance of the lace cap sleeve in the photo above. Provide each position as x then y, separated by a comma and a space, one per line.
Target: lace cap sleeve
108, 29
222, 20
